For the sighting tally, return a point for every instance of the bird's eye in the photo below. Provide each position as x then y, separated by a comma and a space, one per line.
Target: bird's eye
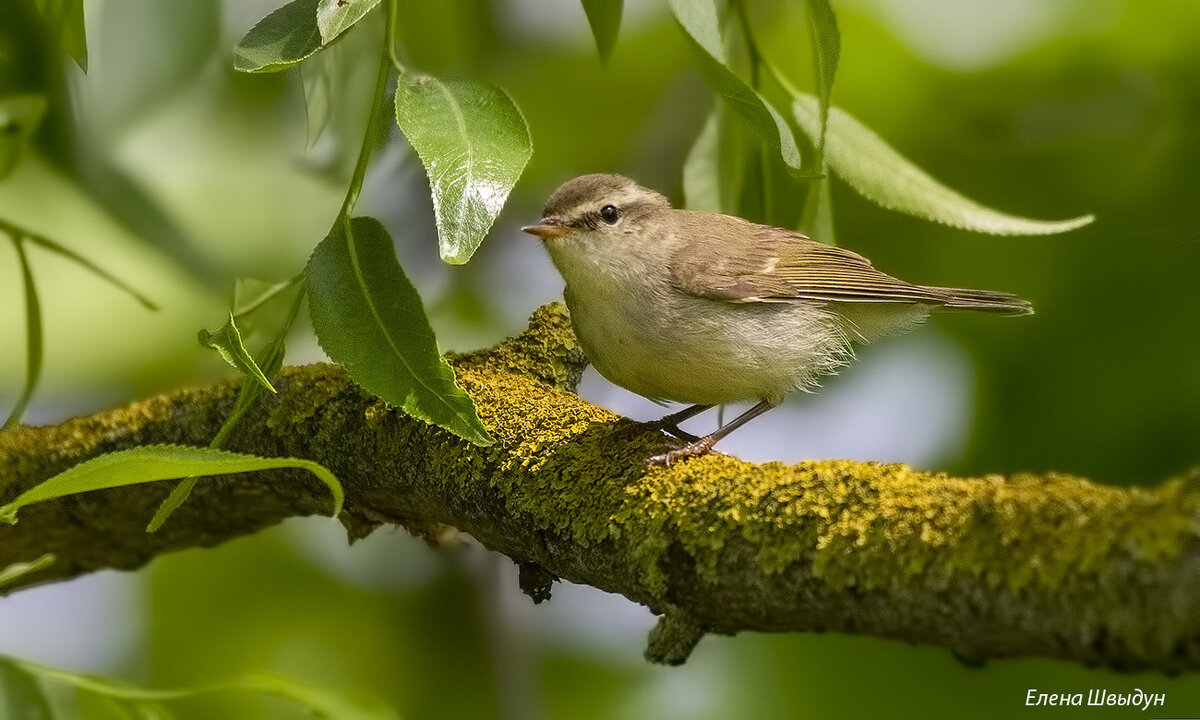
610, 214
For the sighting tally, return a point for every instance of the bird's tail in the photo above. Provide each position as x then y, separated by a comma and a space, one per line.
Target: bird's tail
990, 301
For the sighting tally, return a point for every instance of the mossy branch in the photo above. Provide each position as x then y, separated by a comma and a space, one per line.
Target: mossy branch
988, 567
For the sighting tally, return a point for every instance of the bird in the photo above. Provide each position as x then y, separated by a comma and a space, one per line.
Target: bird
706, 309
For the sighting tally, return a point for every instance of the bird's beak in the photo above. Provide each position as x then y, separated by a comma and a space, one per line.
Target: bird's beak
546, 229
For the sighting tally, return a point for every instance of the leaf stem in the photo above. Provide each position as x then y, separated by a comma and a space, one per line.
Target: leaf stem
377, 103
390, 40
787, 85
268, 296
18, 233
33, 337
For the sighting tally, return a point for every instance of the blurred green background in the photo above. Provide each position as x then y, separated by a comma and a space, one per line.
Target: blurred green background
177, 174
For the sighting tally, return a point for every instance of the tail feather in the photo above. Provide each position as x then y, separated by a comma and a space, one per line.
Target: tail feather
991, 301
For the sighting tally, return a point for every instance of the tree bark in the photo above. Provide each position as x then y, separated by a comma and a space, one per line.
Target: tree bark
1049, 565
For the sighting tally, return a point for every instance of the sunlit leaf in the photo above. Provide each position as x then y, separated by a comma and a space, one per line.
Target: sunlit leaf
151, 463
827, 46
702, 168
369, 318
334, 17
65, 17
879, 173
281, 39
18, 570
228, 343
604, 17
21, 695
699, 19
474, 144
33, 338
19, 117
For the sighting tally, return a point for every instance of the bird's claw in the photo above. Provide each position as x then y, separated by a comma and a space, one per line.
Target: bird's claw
700, 446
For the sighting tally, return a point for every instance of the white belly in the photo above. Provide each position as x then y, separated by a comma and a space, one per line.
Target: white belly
669, 346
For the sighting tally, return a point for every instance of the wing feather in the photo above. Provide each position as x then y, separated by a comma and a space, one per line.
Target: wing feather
783, 266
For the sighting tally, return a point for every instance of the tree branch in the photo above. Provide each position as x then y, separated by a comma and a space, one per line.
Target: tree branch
988, 567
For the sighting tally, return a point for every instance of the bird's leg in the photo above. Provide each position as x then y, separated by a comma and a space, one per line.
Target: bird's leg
669, 423
702, 445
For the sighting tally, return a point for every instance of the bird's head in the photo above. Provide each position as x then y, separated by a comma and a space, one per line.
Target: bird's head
599, 213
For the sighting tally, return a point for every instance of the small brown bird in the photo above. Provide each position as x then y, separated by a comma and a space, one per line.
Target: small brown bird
707, 309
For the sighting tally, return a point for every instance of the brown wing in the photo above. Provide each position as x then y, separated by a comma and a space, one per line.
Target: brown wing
779, 265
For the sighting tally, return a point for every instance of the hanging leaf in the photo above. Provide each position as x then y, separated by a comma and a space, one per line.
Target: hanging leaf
827, 47
369, 318
879, 173
280, 40
474, 144
295, 32
151, 463
604, 17
65, 18
335, 17
228, 343
699, 19
19, 117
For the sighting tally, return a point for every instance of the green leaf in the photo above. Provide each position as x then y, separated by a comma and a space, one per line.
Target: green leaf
281, 39
228, 342
19, 117
21, 695
33, 338
702, 168
369, 318
817, 220
323, 703
700, 22
474, 144
296, 31
334, 17
879, 173
21, 569
317, 80
151, 463
604, 17
827, 46
66, 20
270, 359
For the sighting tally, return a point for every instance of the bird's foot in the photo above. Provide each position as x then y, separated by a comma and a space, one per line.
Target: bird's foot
700, 446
